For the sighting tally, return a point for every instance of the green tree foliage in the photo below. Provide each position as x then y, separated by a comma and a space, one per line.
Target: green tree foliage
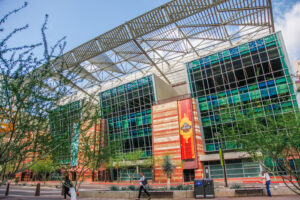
44, 168
27, 92
127, 161
274, 141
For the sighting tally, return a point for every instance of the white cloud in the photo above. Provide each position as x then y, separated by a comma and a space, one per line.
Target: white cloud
289, 24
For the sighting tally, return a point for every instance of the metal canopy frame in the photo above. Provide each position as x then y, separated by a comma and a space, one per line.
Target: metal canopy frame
159, 40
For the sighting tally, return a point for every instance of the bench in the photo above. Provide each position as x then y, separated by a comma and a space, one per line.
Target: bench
159, 194
250, 191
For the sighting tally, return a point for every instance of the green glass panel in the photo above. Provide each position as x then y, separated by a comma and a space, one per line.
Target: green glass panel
195, 63
195, 68
286, 72
271, 44
281, 52
203, 106
226, 53
148, 111
149, 119
223, 94
243, 47
214, 57
230, 145
222, 101
234, 91
280, 80
139, 121
282, 89
252, 87
213, 62
201, 99
138, 114
269, 38
226, 58
254, 95
236, 99
289, 80
210, 147
245, 52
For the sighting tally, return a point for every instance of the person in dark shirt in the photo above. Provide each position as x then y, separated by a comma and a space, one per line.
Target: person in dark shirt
67, 185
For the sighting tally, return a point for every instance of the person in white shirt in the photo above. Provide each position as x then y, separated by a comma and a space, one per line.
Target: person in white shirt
143, 183
266, 177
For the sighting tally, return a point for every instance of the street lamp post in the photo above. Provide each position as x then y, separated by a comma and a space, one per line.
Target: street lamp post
222, 161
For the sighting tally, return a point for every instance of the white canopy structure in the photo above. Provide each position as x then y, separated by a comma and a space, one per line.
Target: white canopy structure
163, 39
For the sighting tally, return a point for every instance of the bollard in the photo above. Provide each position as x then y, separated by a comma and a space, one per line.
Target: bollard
38, 190
62, 190
7, 189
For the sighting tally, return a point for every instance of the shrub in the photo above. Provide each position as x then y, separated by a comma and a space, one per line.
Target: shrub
114, 188
131, 187
123, 188
179, 187
173, 188
188, 187
236, 186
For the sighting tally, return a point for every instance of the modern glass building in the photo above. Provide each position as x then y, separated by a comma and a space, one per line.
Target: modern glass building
127, 109
253, 74
64, 127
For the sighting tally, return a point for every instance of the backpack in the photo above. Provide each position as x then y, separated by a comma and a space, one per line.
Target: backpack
145, 182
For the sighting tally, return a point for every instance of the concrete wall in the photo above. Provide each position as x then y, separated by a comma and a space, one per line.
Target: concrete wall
163, 90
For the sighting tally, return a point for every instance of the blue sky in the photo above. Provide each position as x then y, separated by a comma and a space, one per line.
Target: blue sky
82, 20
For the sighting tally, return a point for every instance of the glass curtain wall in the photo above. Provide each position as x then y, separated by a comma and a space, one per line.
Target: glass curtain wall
127, 109
64, 124
234, 168
253, 74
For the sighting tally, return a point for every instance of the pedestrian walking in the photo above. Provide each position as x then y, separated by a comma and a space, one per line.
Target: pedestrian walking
143, 183
67, 185
267, 180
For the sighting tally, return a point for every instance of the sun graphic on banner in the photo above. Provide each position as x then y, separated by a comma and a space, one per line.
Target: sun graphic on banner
186, 128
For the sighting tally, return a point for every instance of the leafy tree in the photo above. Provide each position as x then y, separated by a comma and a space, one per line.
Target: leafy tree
44, 167
168, 168
127, 161
27, 92
274, 138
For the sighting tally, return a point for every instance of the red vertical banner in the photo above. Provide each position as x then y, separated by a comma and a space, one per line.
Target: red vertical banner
186, 129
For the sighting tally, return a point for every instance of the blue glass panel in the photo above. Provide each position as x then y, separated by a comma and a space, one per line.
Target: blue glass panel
132, 115
143, 112
215, 103
213, 96
254, 49
252, 44
235, 55
264, 93
234, 50
228, 92
245, 97
261, 47
243, 89
260, 42
206, 59
230, 100
201, 61
208, 98
262, 85
220, 55
129, 86
270, 83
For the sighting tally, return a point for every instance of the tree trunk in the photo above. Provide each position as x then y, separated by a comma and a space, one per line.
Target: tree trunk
168, 183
